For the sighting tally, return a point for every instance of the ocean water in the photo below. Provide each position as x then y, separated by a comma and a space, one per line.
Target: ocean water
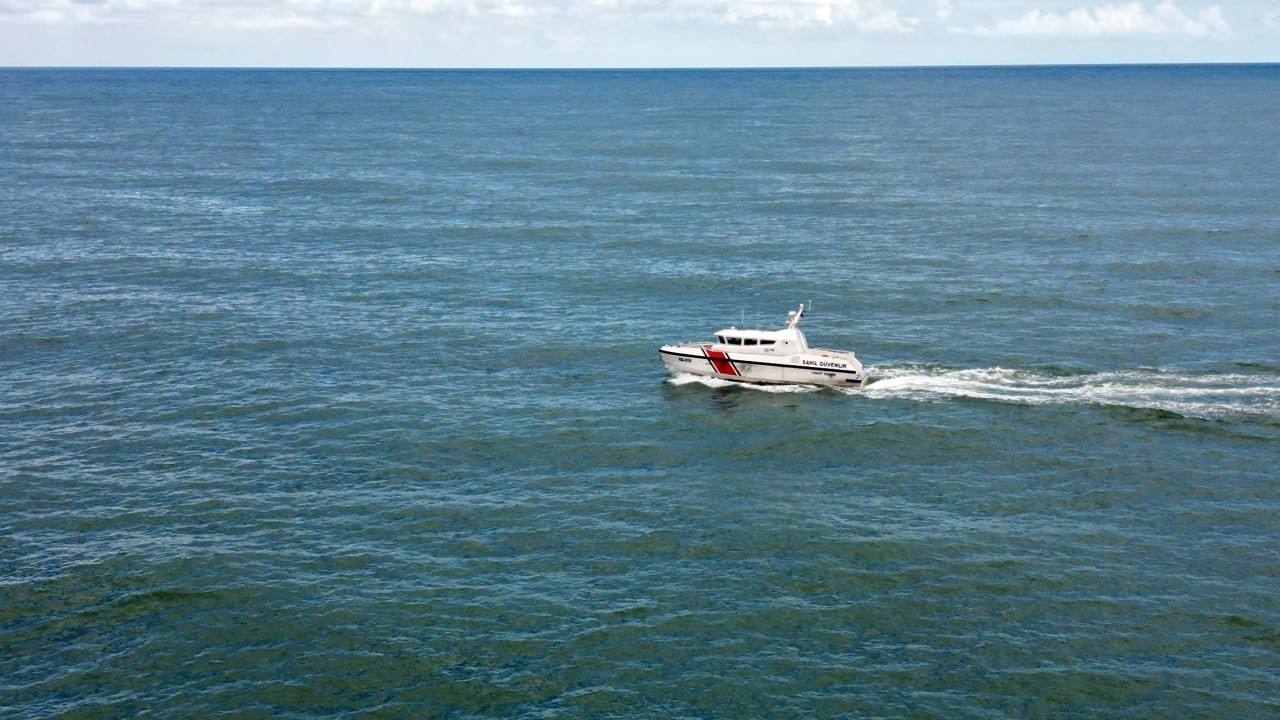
336, 394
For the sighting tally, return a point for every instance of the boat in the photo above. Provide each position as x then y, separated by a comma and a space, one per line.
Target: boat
767, 357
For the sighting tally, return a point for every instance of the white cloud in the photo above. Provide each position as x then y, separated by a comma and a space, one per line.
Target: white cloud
594, 33
58, 11
807, 13
1110, 20
865, 15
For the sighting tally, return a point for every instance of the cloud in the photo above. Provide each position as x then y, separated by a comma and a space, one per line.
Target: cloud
1109, 20
869, 16
863, 15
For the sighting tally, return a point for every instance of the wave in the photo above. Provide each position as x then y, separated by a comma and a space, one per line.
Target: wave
711, 382
1252, 393
1202, 395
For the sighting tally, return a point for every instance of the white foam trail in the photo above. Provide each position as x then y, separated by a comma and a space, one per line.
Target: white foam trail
1187, 394
690, 379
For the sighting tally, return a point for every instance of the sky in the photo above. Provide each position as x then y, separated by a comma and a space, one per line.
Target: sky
633, 33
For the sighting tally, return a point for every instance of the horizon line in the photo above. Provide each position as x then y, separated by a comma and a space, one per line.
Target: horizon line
642, 68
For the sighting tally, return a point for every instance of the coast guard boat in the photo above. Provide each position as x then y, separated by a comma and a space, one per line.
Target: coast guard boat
776, 357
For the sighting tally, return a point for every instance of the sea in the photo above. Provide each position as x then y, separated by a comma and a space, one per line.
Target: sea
336, 393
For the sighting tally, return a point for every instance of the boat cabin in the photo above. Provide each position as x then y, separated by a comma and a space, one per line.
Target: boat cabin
779, 342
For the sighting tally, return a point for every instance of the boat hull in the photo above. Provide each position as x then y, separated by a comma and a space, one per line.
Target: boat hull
806, 369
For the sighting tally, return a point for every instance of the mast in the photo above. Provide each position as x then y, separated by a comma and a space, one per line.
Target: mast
794, 316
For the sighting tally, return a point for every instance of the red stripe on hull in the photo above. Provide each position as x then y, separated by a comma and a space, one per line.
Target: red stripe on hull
720, 361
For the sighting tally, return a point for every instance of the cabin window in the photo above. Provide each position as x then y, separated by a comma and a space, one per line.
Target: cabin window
749, 341
735, 341
720, 339
767, 342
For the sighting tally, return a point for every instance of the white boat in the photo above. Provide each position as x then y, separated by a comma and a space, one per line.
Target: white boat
776, 357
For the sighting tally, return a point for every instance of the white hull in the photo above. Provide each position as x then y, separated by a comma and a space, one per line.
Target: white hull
812, 368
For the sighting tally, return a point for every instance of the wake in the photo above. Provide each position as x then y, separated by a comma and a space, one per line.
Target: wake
690, 379
1207, 395
1189, 394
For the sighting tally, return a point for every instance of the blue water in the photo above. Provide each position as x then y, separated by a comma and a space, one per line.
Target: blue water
336, 394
